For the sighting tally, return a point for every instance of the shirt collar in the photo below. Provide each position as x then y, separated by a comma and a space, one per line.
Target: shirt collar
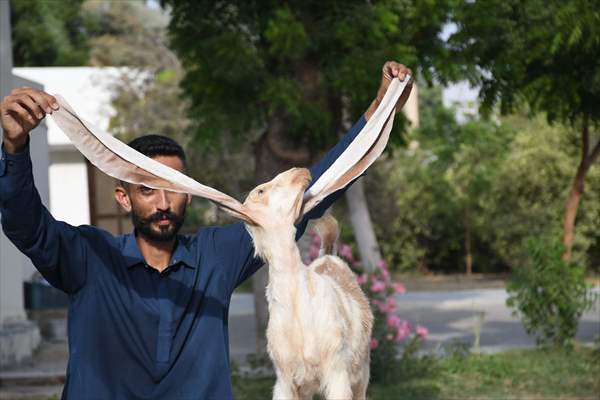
182, 253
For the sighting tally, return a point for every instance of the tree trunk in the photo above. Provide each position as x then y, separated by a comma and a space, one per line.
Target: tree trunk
362, 226
577, 187
468, 247
360, 219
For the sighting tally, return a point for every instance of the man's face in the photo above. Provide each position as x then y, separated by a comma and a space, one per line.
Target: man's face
157, 214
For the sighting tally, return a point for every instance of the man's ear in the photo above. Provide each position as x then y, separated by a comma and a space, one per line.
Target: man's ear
122, 197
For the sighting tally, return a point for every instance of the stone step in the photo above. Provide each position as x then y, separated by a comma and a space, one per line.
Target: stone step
51, 392
31, 378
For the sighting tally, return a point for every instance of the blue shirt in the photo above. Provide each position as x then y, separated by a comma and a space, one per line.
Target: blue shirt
134, 332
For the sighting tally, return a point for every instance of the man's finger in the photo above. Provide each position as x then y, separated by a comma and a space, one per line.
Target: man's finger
51, 100
21, 112
46, 101
31, 105
40, 99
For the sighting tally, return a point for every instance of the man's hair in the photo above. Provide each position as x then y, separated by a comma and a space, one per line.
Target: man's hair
157, 145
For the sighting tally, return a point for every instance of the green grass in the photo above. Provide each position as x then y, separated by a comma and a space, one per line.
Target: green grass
524, 374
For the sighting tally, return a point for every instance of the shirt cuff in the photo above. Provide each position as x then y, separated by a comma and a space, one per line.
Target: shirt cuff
15, 162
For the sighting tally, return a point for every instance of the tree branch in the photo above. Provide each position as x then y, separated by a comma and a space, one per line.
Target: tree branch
595, 153
297, 156
585, 138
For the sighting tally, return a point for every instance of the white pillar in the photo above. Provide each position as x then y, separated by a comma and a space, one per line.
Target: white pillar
18, 336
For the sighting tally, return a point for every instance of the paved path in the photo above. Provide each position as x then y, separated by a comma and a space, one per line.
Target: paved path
451, 316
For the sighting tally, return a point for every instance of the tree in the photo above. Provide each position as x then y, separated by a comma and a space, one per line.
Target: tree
277, 73
526, 199
511, 176
542, 53
440, 183
48, 33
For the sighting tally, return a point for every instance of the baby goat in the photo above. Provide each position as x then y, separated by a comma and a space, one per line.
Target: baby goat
320, 321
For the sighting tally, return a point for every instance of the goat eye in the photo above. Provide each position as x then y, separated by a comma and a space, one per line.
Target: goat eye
260, 191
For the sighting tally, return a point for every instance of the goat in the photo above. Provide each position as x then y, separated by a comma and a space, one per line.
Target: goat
320, 322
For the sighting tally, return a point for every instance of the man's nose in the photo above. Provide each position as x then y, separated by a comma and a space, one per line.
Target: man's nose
164, 202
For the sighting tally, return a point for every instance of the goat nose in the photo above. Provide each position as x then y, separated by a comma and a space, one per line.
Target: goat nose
302, 174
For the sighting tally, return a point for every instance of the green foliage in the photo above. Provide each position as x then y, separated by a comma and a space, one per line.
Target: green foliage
439, 183
549, 294
505, 181
127, 33
543, 52
249, 63
527, 199
93, 32
48, 33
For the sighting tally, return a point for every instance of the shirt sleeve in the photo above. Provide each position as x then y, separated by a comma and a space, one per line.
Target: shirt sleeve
56, 249
234, 243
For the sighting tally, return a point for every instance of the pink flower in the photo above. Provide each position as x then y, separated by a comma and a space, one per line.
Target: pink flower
377, 286
362, 279
374, 343
385, 274
403, 331
381, 264
399, 288
422, 332
345, 251
390, 305
394, 321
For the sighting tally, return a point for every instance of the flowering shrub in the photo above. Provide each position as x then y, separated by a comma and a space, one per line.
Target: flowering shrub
389, 329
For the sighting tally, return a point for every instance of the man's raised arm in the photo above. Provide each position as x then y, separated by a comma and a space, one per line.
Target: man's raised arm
390, 70
56, 249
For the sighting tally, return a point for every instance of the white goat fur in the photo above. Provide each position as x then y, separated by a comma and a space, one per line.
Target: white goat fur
320, 322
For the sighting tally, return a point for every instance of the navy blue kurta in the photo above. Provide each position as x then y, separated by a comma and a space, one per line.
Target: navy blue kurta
134, 332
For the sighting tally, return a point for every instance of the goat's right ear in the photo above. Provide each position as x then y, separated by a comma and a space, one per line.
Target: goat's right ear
238, 213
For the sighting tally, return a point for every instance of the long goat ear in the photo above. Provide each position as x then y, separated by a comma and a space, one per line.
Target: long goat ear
239, 212
120, 161
124, 163
362, 152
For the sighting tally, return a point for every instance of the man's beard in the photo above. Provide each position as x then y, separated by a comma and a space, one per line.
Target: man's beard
143, 226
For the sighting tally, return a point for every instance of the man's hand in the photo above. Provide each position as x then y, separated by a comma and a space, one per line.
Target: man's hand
391, 70
20, 112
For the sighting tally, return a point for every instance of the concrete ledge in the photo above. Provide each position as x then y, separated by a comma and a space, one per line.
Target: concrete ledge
18, 340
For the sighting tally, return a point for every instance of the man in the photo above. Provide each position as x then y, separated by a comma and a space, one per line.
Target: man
148, 311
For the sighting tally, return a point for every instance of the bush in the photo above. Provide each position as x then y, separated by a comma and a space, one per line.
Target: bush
550, 294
